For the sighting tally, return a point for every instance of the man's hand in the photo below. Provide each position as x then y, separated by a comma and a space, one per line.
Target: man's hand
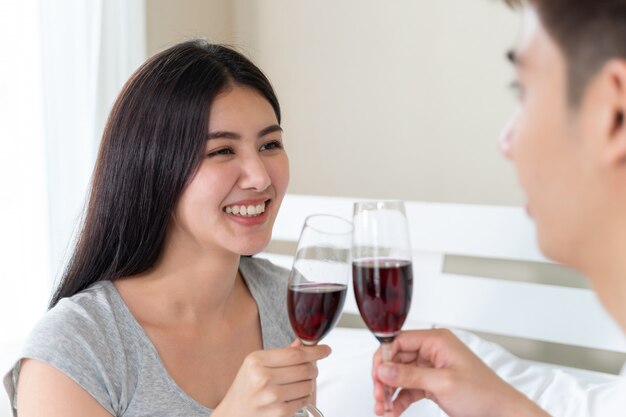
435, 364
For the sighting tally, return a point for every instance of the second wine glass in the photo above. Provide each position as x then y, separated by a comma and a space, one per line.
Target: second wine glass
382, 273
318, 281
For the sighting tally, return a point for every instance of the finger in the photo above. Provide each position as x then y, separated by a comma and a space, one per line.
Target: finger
409, 376
405, 398
289, 356
377, 358
415, 340
295, 391
375, 364
403, 401
406, 357
378, 386
379, 391
289, 374
379, 408
423, 362
296, 343
397, 356
285, 399
290, 408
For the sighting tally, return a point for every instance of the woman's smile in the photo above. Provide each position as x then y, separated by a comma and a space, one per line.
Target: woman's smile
248, 212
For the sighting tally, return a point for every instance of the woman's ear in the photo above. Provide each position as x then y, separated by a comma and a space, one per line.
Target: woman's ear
615, 130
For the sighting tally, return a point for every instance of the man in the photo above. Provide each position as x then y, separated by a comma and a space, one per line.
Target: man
568, 144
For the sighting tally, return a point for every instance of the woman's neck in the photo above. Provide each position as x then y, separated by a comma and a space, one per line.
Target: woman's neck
188, 285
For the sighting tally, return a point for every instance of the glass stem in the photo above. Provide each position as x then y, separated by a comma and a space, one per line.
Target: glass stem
309, 411
387, 354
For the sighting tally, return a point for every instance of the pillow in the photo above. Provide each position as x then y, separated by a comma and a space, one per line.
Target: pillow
561, 391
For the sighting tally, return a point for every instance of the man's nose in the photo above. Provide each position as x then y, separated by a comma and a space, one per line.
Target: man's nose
254, 174
506, 136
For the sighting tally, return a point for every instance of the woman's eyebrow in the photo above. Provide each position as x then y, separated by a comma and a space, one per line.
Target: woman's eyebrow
270, 129
223, 134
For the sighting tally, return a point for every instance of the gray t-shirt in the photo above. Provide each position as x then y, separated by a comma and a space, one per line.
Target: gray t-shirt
93, 338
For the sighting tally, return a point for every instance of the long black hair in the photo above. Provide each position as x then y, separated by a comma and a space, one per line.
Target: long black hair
151, 146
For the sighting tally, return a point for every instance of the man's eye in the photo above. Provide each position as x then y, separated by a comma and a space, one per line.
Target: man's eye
221, 151
272, 145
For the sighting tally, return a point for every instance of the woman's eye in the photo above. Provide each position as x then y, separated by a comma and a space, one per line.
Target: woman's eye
221, 151
272, 145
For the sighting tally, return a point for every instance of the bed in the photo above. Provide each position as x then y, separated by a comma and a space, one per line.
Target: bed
543, 311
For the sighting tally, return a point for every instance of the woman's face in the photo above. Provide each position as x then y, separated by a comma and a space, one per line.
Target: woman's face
233, 199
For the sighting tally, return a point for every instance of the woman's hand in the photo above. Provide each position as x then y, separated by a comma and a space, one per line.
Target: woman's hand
435, 364
274, 382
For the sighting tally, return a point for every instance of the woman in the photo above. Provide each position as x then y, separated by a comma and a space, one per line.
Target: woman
160, 312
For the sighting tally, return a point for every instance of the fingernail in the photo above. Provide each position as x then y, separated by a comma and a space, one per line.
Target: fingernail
387, 371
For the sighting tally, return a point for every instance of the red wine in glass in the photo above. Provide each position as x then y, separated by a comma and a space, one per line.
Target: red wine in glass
314, 309
383, 289
381, 274
318, 281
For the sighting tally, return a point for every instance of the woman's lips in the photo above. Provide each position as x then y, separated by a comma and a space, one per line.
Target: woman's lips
247, 219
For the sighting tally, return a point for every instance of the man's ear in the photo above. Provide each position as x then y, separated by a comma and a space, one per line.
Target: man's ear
614, 73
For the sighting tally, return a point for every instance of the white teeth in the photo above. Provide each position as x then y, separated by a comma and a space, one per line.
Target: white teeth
247, 211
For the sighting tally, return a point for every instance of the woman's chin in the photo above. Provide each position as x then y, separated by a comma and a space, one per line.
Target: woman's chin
253, 248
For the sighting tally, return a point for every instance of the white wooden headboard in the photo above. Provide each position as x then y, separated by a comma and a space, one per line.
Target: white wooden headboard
551, 313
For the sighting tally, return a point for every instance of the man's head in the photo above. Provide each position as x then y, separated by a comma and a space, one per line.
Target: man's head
568, 139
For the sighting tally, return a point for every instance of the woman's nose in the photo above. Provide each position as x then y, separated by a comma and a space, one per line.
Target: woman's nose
254, 174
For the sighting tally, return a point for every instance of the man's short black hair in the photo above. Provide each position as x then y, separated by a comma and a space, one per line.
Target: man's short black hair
588, 32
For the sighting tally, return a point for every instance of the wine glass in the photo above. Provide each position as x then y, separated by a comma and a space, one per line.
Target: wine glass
318, 281
382, 272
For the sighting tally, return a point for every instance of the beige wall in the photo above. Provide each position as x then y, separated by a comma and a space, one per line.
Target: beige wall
382, 99
388, 99
168, 22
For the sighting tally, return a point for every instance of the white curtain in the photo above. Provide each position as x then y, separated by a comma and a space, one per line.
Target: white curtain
89, 50
62, 63
24, 250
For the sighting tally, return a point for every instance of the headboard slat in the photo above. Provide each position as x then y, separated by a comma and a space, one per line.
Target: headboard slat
543, 312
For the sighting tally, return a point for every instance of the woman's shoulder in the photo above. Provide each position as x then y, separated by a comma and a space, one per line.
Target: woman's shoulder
263, 276
96, 299
90, 313
264, 268
86, 337
91, 323
268, 284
